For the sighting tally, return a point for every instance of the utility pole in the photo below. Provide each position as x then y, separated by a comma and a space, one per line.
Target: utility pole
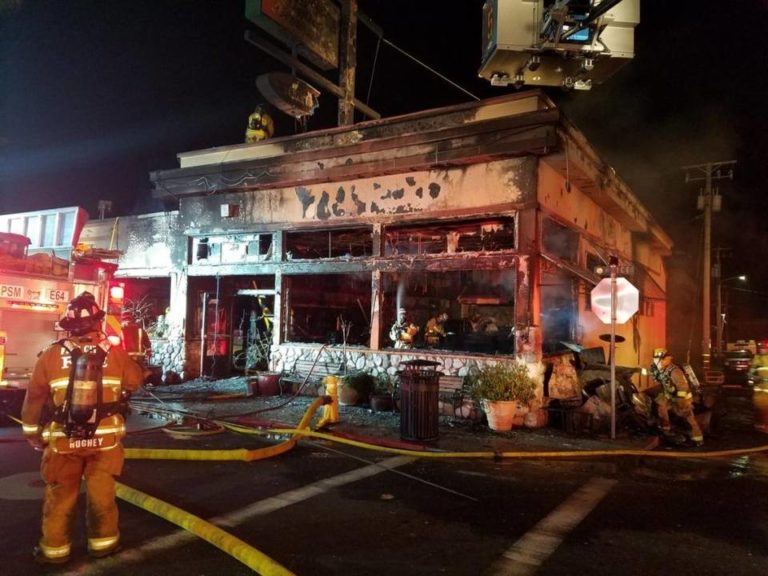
348, 62
708, 201
717, 274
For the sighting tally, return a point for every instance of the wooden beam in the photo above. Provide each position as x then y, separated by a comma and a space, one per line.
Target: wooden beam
306, 71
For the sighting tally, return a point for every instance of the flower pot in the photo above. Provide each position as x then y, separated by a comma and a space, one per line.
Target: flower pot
348, 396
500, 413
268, 384
355, 388
382, 402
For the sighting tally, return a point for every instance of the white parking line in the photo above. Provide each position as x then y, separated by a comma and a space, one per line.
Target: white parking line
527, 555
265, 507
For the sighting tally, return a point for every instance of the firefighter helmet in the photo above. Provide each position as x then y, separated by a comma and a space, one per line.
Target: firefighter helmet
83, 315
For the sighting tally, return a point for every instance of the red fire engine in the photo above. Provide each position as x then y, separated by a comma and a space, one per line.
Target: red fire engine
35, 288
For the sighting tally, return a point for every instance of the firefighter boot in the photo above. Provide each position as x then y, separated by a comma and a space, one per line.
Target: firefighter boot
43, 558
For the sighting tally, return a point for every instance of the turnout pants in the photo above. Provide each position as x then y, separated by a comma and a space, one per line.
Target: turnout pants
683, 407
62, 474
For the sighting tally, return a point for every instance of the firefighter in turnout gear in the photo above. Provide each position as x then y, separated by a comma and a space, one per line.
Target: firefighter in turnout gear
87, 383
676, 395
403, 332
260, 126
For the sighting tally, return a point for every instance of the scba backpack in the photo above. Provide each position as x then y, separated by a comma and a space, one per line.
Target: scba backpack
78, 422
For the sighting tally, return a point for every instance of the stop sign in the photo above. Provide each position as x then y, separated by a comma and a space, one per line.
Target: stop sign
627, 300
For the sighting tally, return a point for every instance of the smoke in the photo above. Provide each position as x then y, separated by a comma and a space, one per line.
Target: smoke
401, 285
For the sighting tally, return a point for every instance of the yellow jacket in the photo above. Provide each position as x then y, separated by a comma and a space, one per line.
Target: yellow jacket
50, 379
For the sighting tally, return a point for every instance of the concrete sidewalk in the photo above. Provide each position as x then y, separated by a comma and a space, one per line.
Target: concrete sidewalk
232, 398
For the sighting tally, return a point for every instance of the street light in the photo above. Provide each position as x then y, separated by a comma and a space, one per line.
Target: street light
720, 315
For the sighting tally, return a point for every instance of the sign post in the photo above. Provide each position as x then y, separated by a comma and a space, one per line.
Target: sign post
614, 300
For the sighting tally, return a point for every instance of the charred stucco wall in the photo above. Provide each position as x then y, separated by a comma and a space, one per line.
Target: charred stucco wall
479, 188
602, 232
152, 243
570, 205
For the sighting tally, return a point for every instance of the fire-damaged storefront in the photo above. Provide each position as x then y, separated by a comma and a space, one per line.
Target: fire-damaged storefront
478, 226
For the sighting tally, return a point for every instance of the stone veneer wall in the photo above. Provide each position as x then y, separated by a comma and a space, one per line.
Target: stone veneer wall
386, 362
169, 352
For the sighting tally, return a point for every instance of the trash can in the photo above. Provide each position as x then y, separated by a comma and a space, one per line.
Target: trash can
419, 406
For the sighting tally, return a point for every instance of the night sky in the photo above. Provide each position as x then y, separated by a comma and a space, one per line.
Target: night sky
94, 95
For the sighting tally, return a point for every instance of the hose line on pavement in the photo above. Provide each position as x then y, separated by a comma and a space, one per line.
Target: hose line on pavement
514, 454
302, 431
232, 545
235, 454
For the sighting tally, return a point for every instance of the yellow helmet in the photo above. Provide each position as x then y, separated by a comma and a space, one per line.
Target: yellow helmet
660, 353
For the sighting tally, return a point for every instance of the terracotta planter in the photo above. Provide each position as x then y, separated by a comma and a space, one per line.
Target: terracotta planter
382, 403
348, 396
500, 413
355, 388
268, 384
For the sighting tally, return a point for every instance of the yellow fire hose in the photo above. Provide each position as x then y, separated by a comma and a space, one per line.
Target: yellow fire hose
237, 454
261, 563
238, 549
212, 534
242, 551
514, 454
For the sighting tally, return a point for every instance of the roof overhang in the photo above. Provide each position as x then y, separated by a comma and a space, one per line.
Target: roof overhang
516, 125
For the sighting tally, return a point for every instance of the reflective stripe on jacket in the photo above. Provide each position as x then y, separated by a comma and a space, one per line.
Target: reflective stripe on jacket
50, 379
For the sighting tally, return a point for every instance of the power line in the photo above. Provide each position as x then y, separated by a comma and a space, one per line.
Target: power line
435, 72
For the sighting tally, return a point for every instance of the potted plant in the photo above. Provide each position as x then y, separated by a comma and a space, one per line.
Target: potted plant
382, 399
503, 390
355, 388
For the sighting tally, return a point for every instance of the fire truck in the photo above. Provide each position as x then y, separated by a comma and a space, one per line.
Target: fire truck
35, 288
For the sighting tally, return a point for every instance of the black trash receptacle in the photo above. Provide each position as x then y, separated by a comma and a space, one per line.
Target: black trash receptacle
419, 405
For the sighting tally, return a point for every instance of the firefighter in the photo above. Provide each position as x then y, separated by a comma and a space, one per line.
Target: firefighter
434, 332
758, 377
84, 438
260, 126
403, 332
758, 370
675, 395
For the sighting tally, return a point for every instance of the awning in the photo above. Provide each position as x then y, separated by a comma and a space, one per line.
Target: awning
574, 269
647, 284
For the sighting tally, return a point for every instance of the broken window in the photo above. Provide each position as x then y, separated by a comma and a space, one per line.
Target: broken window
232, 248
461, 310
560, 240
485, 235
328, 308
558, 311
339, 243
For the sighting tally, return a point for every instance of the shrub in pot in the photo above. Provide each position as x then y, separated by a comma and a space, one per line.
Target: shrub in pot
355, 388
382, 396
502, 389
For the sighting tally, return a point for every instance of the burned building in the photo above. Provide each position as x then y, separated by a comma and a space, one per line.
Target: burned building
488, 219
